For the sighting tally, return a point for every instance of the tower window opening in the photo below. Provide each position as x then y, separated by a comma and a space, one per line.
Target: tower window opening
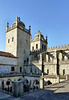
47, 71
62, 57
20, 69
42, 46
36, 46
48, 59
8, 40
32, 48
63, 71
12, 39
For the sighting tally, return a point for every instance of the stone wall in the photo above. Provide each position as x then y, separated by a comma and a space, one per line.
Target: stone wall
8, 61
11, 47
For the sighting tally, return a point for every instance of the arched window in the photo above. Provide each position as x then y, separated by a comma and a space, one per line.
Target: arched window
36, 46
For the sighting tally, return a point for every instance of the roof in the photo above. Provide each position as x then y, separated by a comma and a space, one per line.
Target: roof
7, 54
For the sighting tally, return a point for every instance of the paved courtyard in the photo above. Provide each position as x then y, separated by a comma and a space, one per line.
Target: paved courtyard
53, 92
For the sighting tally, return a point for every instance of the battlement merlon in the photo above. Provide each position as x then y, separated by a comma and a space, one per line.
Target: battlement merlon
18, 24
58, 48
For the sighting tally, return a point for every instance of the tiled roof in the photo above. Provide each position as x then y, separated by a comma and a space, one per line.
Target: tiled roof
6, 54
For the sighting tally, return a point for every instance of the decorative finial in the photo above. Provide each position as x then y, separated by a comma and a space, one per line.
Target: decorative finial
30, 29
46, 40
7, 24
18, 18
39, 32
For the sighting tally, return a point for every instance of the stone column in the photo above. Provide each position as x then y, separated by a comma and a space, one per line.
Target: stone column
46, 58
40, 59
55, 62
66, 77
58, 79
17, 88
29, 59
60, 56
42, 82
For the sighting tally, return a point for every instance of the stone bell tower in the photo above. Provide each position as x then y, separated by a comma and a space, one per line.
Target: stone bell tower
18, 41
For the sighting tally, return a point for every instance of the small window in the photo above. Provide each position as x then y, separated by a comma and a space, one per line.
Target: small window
62, 57
63, 71
36, 46
47, 71
32, 48
24, 61
12, 69
12, 39
27, 60
8, 40
20, 69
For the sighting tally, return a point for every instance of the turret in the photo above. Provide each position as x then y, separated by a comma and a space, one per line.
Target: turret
17, 18
30, 29
39, 34
46, 42
7, 26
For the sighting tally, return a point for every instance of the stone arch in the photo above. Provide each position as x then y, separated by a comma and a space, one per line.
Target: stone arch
19, 79
26, 85
35, 84
48, 82
26, 81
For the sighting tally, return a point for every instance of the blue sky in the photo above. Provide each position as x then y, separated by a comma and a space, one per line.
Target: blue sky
51, 17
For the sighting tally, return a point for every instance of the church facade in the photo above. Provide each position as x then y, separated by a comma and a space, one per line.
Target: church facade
26, 58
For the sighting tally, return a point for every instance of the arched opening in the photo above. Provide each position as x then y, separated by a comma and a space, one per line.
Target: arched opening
35, 84
19, 79
26, 86
9, 86
63, 71
48, 82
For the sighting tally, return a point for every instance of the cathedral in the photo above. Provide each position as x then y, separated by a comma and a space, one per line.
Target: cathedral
28, 59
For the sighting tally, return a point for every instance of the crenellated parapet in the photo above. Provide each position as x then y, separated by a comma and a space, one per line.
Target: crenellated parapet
62, 47
18, 24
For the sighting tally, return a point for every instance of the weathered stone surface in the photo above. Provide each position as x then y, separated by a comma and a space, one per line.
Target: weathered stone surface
17, 88
53, 92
